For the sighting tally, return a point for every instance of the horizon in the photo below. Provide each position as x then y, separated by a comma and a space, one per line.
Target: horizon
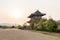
17, 11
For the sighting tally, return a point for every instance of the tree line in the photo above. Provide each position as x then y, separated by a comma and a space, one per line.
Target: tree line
44, 25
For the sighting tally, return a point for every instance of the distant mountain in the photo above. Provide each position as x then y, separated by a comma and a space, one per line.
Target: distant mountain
8, 24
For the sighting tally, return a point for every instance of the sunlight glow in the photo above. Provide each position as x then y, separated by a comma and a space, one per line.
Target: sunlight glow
16, 14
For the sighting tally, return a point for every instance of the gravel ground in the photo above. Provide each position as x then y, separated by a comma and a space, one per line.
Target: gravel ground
16, 34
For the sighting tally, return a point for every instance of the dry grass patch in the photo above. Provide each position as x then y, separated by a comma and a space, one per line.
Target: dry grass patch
48, 33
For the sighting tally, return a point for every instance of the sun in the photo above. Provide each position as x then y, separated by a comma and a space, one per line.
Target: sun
16, 14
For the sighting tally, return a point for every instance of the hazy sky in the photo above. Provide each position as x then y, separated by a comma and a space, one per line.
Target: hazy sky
25, 8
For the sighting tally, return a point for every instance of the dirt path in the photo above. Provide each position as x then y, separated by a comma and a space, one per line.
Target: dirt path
16, 34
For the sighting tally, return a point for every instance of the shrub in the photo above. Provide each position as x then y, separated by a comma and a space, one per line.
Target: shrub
58, 30
19, 27
13, 27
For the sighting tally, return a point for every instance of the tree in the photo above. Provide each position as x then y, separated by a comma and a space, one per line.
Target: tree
37, 23
19, 27
50, 25
13, 27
